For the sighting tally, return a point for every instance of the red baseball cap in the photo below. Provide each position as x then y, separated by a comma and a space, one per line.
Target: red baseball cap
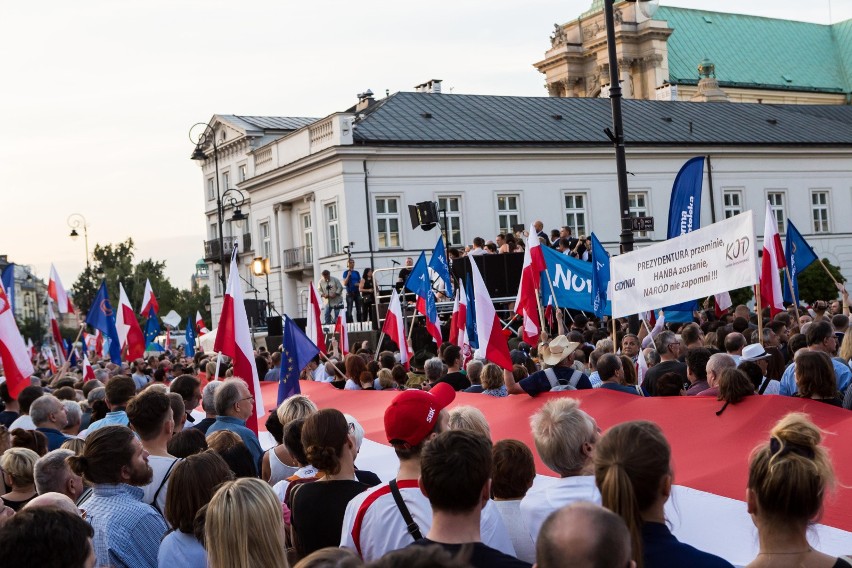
412, 415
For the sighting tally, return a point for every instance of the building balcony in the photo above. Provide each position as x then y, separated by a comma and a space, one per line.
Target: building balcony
297, 260
213, 249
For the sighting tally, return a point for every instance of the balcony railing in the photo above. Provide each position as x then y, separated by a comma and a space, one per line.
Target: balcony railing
213, 250
299, 258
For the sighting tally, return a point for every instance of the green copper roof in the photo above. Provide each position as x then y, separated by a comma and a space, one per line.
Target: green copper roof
751, 51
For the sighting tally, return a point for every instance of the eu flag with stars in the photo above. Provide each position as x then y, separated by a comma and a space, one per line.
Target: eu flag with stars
439, 264
102, 317
418, 282
189, 348
152, 330
297, 350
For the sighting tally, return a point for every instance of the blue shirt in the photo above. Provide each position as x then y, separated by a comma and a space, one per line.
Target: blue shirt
352, 287
539, 383
248, 437
619, 388
841, 372
115, 418
660, 549
55, 438
181, 549
127, 531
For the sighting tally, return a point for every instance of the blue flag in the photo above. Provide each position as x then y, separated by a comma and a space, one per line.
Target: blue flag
572, 282
101, 316
685, 217
297, 350
189, 348
8, 279
470, 323
152, 330
799, 255
439, 264
72, 353
418, 282
600, 277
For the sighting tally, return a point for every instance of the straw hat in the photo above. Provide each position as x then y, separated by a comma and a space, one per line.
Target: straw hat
557, 350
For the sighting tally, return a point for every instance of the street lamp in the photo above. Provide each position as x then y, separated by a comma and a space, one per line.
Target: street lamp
260, 267
208, 136
75, 221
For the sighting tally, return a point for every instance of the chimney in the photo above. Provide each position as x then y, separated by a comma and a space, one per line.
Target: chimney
365, 99
431, 86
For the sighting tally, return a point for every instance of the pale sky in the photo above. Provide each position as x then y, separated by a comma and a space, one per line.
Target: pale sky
99, 96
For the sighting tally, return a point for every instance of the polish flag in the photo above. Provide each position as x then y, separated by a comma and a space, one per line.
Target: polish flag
88, 371
31, 348
149, 300
526, 302
655, 331
199, 325
129, 331
17, 365
342, 332
772, 262
489, 329
54, 330
233, 338
56, 291
722, 304
641, 367
314, 329
394, 328
458, 321
48, 354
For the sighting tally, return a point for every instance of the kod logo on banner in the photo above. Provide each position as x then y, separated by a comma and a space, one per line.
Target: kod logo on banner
571, 279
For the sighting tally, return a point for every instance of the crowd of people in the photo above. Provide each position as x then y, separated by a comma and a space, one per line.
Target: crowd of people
152, 463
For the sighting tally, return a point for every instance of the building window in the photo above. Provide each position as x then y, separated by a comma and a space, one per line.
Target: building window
732, 201
776, 205
638, 203
332, 221
308, 238
452, 205
387, 221
242, 172
575, 212
265, 241
211, 189
819, 211
217, 283
508, 213
226, 181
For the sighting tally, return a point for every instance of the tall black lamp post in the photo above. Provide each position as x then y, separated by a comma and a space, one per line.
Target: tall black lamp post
76, 221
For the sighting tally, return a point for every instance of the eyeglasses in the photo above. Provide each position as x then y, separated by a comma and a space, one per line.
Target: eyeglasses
247, 398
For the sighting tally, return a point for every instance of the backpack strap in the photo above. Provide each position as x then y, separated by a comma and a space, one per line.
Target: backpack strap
575, 379
162, 483
412, 527
763, 386
551, 377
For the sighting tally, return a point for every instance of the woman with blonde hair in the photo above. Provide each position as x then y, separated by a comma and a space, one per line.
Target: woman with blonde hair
277, 463
243, 526
468, 418
634, 475
493, 383
18, 465
788, 477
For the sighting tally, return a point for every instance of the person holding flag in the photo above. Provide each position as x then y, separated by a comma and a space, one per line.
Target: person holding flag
419, 283
101, 316
297, 350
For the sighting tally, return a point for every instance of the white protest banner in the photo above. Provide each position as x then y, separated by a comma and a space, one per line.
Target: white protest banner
702, 263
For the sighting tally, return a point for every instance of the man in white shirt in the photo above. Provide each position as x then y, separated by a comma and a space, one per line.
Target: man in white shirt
565, 439
150, 414
373, 524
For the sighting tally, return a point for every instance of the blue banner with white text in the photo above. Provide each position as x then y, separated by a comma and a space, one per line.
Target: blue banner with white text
572, 282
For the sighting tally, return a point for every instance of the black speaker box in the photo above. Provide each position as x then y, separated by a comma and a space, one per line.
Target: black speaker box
274, 325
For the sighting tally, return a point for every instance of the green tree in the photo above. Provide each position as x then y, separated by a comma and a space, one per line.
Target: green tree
815, 284
113, 263
33, 329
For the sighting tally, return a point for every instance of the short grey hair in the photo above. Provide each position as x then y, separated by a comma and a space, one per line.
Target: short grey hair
663, 340
474, 371
96, 394
560, 429
718, 362
51, 471
434, 368
228, 395
208, 397
295, 407
652, 357
469, 418
73, 411
43, 407
102, 375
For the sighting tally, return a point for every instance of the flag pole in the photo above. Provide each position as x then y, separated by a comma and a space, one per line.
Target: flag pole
759, 314
827, 271
379, 344
552, 293
540, 309
327, 360
792, 292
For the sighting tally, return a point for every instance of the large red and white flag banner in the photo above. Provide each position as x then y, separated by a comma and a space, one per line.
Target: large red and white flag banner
771, 263
149, 300
314, 329
56, 291
200, 328
128, 328
17, 365
489, 328
340, 328
707, 508
394, 327
233, 338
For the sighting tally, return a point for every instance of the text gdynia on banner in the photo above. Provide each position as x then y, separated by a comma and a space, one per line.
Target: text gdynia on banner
696, 265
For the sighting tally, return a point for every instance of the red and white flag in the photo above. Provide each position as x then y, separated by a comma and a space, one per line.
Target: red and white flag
129, 331
99, 344
772, 262
342, 332
722, 304
48, 354
489, 328
458, 321
199, 325
526, 302
149, 300
17, 365
314, 329
394, 327
88, 371
31, 348
54, 330
233, 338
56, 291
641, 367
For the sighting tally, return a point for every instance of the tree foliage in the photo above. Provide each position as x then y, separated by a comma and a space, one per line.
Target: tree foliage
114, 263
815, 284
